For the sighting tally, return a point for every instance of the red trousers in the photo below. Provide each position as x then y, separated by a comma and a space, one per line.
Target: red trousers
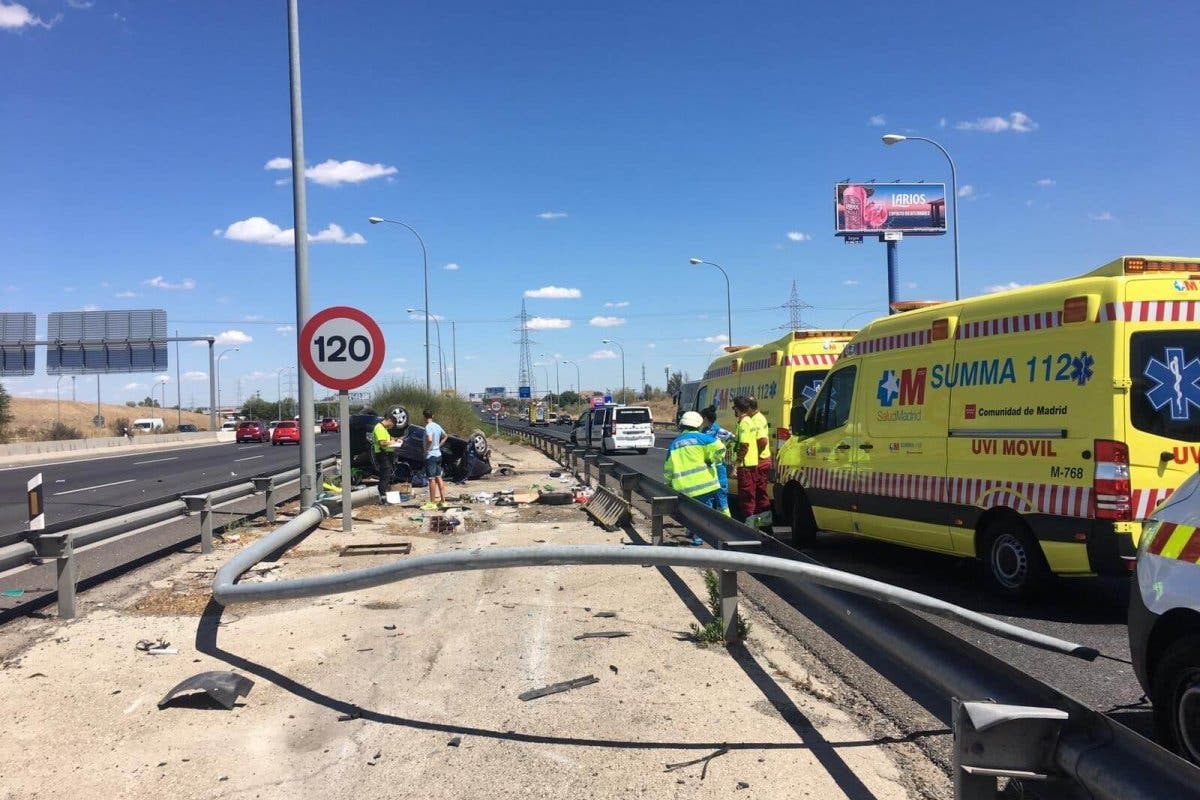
752, 490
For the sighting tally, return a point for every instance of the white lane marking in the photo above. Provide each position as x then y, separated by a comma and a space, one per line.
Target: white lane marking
101, 486
98, 458
154, 461
248, 458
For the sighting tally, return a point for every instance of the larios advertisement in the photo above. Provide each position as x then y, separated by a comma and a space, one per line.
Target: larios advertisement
917, 208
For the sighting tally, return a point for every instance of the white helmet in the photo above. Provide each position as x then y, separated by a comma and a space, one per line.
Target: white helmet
691, 419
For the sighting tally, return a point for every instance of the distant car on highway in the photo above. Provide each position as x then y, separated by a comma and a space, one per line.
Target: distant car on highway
1164, 618
188, 427
252, 431
564, 419
286, 431
329, 425
229, 425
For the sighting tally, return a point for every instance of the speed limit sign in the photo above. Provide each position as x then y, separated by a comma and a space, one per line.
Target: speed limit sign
341, 347
496, 406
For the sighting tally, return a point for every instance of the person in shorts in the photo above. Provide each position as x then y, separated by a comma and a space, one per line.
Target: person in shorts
435, 435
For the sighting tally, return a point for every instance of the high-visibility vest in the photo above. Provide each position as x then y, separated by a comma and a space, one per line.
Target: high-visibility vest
747, 434
763, 431
691, 465
382, 437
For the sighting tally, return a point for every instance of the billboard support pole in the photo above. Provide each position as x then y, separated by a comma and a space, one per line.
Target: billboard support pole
893, 268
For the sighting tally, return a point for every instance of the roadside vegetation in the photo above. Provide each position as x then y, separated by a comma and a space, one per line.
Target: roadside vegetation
452, 413
714, 631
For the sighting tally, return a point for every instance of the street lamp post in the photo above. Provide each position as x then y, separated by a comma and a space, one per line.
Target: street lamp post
223, 353
546, 372
425, 268
624, 399
578, 382
279, 393
728, 304
57, 401
441, 352
895, 138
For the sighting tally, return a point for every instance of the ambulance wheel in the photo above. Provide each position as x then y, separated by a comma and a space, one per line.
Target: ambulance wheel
1175, 693
804, 524
1014, 559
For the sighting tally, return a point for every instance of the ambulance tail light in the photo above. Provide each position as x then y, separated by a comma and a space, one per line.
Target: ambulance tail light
1111, 493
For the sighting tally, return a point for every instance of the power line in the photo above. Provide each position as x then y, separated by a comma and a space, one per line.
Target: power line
795, 307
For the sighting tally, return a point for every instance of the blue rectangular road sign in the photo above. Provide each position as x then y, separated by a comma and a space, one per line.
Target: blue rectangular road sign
493, 391
524, 393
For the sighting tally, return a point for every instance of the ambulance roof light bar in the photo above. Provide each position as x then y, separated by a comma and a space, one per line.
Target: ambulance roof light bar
1140, 265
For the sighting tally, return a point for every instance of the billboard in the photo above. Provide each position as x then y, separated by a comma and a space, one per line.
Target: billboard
97, 342
493, 391
918, 209
16, 330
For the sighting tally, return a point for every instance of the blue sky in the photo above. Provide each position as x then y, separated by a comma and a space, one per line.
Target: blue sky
589, 147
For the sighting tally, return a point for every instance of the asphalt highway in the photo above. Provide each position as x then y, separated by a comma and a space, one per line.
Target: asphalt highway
1090, 611
80, 488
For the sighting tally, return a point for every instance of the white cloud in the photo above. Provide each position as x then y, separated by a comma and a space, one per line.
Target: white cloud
400, 360
850, 282
332, 172
910, 285
1017, 122
554, 293
14, 16
418, 315
129, 387
451, 267
548, 323
91, 307
158, 282
252, 318
195, 375
285, 328
82, 5
396, 371
797, 236
942, 122
552, 215
125, 295
260, 230
606, 322
877, 121
720, 338
1003, 287
1045, 182
617, 304
966, 190
1103, 216
601, 354
652, 345
233, 337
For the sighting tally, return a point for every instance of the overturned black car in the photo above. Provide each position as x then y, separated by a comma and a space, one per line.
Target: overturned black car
462, 459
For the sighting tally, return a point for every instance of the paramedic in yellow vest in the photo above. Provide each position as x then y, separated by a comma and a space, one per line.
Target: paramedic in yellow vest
691, 465
746, 457
381, 447
763, 429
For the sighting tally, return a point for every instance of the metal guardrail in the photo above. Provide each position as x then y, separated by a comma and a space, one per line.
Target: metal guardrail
1005, 722
62, 540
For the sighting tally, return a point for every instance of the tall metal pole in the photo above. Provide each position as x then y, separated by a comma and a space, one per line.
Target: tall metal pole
57, 401
728, 295
893, 270
578, 381
95, 424
425, 268
212, 387
454, 355
72, 388
624, 397
893, 138
178, 387
308, 449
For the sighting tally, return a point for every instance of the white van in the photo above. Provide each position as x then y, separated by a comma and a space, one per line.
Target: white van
148, 424
621, 428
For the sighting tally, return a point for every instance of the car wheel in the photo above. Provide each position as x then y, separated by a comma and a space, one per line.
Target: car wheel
400, 415
479, 441
1014, 559
1175, 693
641, 451
804, 524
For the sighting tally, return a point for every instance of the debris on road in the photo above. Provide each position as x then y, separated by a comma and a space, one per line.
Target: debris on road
223, 687
702, 760
605, 615
602, 635
377, 549
161, 647
454, 741
555, 688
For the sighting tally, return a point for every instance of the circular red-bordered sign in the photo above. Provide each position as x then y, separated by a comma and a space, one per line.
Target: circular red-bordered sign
496, 406
341, 348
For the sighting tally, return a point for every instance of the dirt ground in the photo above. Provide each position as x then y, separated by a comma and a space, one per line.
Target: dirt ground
411, 689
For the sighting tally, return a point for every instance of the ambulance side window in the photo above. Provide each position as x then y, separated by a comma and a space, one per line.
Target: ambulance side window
832, 407
701, 399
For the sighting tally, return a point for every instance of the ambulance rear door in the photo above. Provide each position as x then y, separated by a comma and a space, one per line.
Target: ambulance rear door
1161, 324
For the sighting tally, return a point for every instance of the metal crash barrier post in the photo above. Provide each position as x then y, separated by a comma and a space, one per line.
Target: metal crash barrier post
629, 484
602, 468
660, 507
267, 487
728, 586
61, 548
201, 504
588, 460
994, 741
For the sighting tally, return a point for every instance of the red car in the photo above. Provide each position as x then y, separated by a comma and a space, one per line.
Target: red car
286, 431
252, 431
329, 425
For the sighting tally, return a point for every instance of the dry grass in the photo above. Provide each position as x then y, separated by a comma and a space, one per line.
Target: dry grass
35, 414
173, 602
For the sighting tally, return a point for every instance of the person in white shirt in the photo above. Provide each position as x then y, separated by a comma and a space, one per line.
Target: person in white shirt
435, 435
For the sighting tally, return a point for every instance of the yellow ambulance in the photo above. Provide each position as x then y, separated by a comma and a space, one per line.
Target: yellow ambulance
1032, 429
782, 374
